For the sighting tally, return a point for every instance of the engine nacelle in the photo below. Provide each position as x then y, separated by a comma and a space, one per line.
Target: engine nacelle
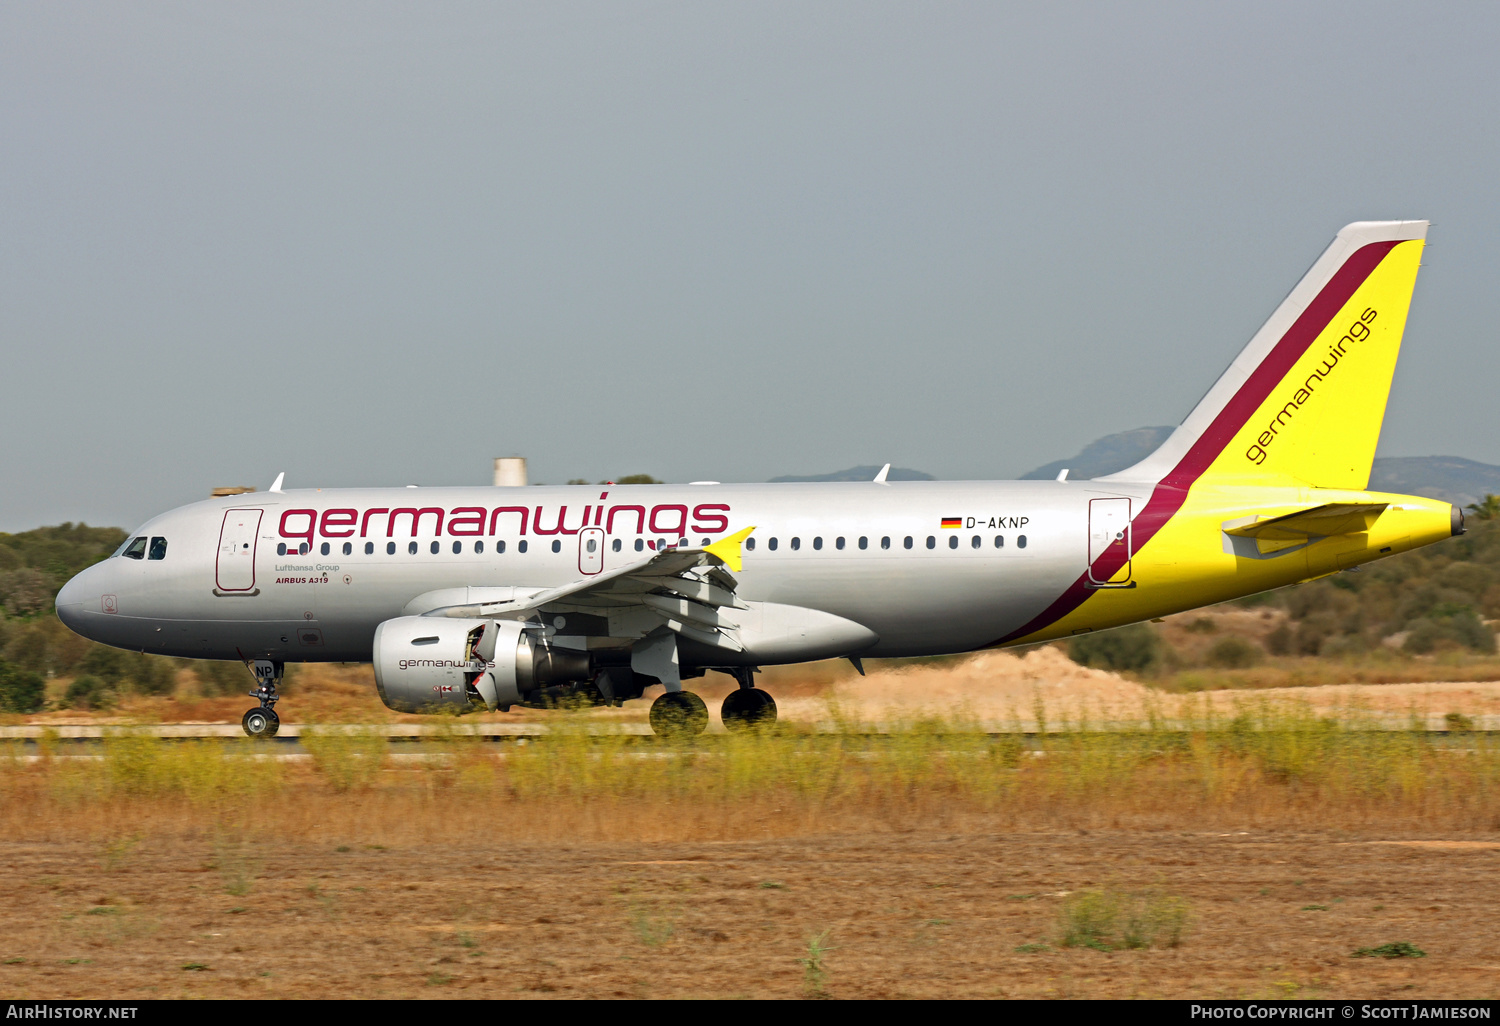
432, 663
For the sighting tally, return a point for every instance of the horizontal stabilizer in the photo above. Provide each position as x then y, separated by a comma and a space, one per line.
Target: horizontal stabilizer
1323, 521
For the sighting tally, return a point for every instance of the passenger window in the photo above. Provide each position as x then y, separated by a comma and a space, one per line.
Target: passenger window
390, 548
521, 546
369, 548
457, 547
885, 542
615, 545
280, 549
818, 543
556, 546
770, 545
976, 542
749, 544
640, 545
999, 541
1020, 541
158, 548
706, 543
907, 542
796, 544
864, 542
478, 547
953, 541
324, 548
931, 542
839, 544
348, 548
499, 548
411, 548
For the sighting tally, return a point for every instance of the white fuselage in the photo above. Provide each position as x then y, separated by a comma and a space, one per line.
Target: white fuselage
873, 553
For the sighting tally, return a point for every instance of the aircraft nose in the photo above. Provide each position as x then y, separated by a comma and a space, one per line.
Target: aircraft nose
70, 599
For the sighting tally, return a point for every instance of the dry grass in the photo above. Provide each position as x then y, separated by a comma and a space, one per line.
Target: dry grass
1277, 766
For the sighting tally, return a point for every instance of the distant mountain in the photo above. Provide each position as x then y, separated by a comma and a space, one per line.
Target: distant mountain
860, 474
1448, 478
1105, 455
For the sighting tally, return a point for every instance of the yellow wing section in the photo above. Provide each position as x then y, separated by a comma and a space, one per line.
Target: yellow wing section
728, 549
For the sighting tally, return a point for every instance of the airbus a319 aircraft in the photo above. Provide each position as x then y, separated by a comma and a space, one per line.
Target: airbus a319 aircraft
490, 597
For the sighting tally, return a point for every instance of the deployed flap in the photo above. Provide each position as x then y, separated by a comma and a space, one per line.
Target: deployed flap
1324, 521
681, 589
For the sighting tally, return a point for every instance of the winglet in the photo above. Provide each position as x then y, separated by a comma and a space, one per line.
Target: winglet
728, 549
880, 477
276, 485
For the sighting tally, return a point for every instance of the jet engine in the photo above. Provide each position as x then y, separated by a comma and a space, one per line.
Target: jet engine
425, 664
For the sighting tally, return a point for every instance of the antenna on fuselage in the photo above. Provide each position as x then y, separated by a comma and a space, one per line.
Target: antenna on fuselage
276, 484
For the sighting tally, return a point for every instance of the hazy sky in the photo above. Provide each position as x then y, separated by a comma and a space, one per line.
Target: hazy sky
372, 243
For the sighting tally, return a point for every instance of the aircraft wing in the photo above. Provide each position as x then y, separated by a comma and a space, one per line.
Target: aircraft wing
682, 589
1322, 521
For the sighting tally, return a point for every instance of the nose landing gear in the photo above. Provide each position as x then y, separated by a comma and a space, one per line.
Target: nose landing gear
262, 721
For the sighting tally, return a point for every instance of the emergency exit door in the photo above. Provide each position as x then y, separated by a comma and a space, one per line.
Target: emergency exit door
1109, 542
591, 550
234, 570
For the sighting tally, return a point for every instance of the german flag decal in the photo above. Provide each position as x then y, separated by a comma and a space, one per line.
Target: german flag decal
953, 522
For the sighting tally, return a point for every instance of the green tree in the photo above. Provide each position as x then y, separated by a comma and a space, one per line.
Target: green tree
636, 479
21, 691
1489, 509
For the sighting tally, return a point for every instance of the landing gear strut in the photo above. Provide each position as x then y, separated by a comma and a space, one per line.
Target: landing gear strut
262, 721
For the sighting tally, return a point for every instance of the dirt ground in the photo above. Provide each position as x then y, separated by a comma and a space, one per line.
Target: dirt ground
920, 914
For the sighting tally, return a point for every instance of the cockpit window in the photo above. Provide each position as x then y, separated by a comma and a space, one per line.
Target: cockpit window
158, 548
136, 549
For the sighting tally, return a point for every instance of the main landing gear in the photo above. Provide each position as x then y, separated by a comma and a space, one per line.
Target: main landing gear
682, 714
678, 714
262, 721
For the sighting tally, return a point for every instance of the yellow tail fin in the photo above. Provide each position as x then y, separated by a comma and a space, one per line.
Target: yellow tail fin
1305, 399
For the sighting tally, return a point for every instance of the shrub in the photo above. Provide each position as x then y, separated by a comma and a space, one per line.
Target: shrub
1279, 641
1105, 920
1136, 648
222, 677
1448, 627
1234, 654
21, 691
89, 693
148, 675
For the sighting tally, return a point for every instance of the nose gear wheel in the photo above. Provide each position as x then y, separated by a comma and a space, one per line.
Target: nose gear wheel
261, 722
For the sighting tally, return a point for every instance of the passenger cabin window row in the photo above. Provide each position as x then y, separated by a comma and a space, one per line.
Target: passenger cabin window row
976, 542
156, 548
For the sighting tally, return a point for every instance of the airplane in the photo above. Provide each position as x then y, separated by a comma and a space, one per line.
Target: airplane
471, 598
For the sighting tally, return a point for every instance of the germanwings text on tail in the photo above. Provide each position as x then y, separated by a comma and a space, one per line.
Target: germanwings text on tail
485, 598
